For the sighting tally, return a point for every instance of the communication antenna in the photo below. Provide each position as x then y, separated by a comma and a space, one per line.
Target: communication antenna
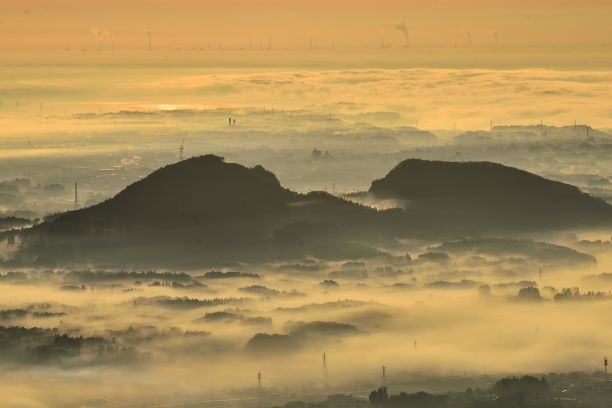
76, 195
491, 125
325, 373
469, 38
606, 367
182, 150
384, 376
415, 345
496, 39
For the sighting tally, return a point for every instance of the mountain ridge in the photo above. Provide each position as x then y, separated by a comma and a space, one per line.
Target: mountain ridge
204, 210
486, 195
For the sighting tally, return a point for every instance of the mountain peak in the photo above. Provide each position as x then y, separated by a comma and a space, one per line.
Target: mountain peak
195, 189
487, 195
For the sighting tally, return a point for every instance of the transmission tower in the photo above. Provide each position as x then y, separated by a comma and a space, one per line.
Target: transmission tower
540, 273
259, 392
325, 373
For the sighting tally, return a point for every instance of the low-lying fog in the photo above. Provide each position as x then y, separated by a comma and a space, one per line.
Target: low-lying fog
461, 308
92, 337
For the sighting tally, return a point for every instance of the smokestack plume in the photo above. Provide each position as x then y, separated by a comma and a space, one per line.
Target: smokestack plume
99, 35
403, 29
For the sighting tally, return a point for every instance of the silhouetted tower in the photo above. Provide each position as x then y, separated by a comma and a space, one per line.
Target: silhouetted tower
496, 39
415, 345
469, 38
259, 392
384, 376
540, 272
325, 373
182, 150
606, 367
76, 196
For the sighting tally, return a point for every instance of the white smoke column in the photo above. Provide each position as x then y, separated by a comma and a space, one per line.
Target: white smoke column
111, 37
100, 37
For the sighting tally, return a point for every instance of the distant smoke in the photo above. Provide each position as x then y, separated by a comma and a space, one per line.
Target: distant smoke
403, 29
111, 37
100, 35
96, 32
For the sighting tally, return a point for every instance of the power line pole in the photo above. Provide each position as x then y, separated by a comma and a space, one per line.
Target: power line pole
76, 196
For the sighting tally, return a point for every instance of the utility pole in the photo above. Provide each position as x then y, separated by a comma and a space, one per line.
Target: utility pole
76, 196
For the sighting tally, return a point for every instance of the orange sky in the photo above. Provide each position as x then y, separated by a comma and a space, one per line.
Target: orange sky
57, 24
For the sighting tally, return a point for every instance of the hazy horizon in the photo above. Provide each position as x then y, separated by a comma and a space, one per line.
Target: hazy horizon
305, 204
